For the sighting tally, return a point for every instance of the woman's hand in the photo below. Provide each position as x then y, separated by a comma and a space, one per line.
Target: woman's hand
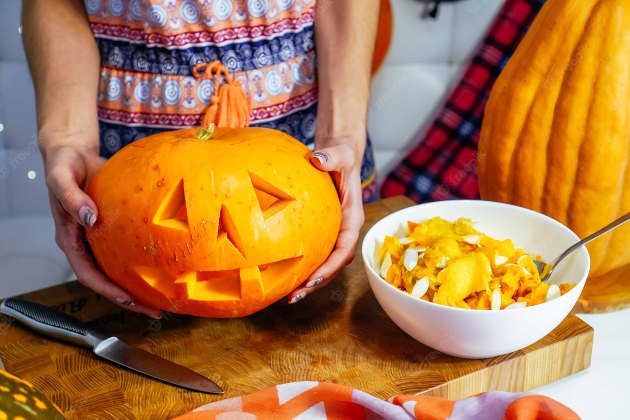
67, 170
66, 99
344, 163
344, 36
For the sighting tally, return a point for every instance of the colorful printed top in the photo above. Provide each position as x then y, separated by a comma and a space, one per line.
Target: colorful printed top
149, 48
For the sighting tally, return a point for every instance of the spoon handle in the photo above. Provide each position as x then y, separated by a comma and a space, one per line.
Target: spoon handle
623, 219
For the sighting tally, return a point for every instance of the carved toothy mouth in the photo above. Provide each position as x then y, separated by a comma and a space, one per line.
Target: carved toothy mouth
222, 285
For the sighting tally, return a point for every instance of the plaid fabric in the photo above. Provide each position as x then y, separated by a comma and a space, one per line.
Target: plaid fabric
444, 164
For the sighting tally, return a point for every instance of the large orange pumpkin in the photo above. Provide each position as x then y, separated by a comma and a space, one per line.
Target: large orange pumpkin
218, 227
556, 132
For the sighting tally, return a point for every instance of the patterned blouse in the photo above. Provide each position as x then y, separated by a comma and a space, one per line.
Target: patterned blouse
148, 49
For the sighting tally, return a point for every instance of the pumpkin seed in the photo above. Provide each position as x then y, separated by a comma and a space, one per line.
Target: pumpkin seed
496, 300
420, 288
516, 305
411, 259
553, 292
500, 259
472, 239
387, 263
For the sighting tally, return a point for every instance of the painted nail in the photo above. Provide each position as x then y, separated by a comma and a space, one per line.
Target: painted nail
298, 297
125, 301
87, 216
314, 283
321, 156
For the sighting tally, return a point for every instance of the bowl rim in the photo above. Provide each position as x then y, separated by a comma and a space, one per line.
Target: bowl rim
482, 203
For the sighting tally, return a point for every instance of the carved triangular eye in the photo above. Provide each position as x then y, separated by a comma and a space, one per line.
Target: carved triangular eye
270, 198
172, 212
182, 214
227, 231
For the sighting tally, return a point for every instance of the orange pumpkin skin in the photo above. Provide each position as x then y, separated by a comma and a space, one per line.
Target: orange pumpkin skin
556, 130
216, 228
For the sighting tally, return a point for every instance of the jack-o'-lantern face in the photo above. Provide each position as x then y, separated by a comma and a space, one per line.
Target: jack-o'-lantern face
220, 228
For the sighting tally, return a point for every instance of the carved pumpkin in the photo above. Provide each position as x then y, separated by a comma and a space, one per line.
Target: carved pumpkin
218, 227
556, 131
20, 400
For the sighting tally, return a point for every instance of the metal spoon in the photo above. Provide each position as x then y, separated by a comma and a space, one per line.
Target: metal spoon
541, 265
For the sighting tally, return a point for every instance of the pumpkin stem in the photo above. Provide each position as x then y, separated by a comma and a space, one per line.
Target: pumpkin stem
206, 133
229, 106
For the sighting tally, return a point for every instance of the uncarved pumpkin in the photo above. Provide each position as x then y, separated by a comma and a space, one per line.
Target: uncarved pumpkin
556, 131
217, 227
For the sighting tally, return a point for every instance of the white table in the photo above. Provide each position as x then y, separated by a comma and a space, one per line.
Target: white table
600, 392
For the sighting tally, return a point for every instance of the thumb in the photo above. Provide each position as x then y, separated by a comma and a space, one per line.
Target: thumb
72, 198
333, 158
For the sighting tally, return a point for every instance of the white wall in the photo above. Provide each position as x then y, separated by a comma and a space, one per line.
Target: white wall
425, 58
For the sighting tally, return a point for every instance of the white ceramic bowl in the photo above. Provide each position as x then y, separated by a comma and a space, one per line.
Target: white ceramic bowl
477, 334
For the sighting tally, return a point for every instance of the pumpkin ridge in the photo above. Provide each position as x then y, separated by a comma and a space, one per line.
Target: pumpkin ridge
513, 163
550, 189
532, 153
581, 193
505, 79
497, 134
561, 173
611, 258
621, 237
573, 195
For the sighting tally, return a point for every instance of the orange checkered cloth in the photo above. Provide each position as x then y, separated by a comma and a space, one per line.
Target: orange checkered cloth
325, 401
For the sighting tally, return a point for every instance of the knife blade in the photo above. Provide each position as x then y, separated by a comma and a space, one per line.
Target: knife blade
58, 325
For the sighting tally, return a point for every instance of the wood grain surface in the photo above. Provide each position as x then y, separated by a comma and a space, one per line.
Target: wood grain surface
339, 334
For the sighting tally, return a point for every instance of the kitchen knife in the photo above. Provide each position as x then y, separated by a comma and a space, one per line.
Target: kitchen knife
66, 328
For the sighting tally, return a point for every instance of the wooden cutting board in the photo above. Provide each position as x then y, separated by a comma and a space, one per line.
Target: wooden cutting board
340, 334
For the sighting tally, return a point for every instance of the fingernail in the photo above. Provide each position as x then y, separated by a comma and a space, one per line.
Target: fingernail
321, 157
314, 283
125, 301
298, 297
87, 216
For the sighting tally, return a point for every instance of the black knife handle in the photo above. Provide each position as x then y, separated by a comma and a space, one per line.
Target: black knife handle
49, 321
